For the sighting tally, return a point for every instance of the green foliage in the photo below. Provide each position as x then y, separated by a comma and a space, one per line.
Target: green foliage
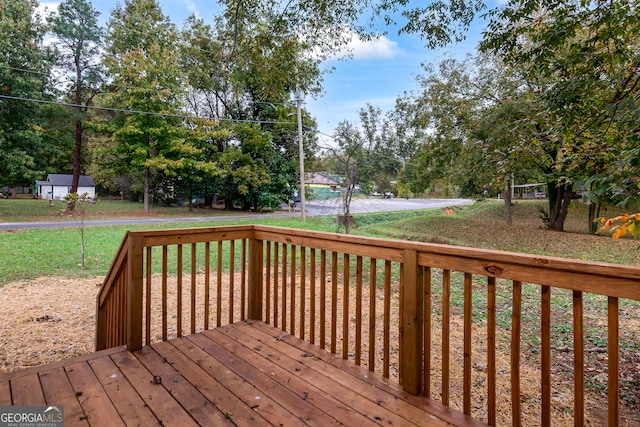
143, 64
21, 131
581, 58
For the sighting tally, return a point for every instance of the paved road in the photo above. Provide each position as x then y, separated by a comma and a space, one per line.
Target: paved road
313, 208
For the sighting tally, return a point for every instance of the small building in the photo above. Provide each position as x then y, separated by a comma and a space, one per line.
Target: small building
58, 186
324, 186
530, 191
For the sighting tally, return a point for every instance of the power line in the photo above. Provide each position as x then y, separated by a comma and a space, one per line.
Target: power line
148, 113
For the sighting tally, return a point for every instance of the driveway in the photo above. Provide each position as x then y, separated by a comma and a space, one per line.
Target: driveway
313, 208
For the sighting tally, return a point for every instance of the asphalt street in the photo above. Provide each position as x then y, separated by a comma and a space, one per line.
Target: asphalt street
313, 208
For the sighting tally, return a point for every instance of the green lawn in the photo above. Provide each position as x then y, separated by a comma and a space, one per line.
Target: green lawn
26, 254
20, 210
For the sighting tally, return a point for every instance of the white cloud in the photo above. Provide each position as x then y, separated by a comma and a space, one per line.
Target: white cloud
377, 48
46, 7
191, 7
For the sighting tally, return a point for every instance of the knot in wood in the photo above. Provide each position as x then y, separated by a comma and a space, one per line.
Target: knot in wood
493, 269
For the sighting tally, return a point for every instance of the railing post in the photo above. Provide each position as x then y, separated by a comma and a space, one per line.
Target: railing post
256, 265
412, 326
134, 293
101, 325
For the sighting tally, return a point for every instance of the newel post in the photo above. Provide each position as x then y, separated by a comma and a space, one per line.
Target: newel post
256, 265
135, 264
412, 326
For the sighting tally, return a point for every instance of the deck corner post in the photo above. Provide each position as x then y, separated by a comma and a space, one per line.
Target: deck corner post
135, 274
256, 265
101, 325
412, 326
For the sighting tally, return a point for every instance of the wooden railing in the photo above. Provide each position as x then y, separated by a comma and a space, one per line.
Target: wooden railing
438, 319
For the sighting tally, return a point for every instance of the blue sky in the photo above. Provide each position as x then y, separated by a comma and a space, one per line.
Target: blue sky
379, 72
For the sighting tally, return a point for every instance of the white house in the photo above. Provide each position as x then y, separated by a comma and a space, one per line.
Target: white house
57, 186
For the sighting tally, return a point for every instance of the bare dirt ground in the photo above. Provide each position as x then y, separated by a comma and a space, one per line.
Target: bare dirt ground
49, 319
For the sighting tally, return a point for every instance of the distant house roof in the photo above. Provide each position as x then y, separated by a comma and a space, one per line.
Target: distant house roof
319, 178
62, 179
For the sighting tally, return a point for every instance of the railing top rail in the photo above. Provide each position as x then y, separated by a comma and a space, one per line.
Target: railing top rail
192, 235
120, 257
556, 263
604, 278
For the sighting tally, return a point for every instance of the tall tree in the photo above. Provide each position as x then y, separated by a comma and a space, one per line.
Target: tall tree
24, 71
583, 57
146, 80
78, 36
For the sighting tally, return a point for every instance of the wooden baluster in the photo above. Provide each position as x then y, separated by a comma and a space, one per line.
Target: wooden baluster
373, 283
179, 291
545, 355
334, 299
427, 332
219, 287
207, 283
165, 305
323, 297
491, 351
256, 272
232, 273
267, 297
276, 264
284, 288
468, 303
446, 334
613, 372
358, 351
303, 294
345, 305
292, 308
578, 360
194, 275
243, 281
516, 319
312, 297
147, 316
387, 319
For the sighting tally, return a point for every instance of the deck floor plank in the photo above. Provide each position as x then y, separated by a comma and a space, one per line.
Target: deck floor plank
294, 364
26, 391
95, 402
336, 404
58, 391
247, 374
128, 403
208, 375
206, 404
5, 393
308, 413
224, 400
157, 398
432, 407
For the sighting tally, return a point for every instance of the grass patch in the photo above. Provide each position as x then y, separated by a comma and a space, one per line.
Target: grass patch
482, 225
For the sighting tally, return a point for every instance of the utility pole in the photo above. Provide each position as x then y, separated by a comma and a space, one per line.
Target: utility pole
301, 154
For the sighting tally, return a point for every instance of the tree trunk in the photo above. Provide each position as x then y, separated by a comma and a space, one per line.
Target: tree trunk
507, 204
146, 190
594, 214
559, 199
77, 151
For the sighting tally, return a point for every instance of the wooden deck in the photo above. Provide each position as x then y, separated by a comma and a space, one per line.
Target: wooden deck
240, 374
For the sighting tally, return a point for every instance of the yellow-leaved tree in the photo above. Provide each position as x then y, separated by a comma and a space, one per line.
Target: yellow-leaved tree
622, 225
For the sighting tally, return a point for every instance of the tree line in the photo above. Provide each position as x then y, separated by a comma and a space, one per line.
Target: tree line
551, 96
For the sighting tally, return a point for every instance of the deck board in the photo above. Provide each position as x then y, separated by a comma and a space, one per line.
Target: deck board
245, 374
58, 391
